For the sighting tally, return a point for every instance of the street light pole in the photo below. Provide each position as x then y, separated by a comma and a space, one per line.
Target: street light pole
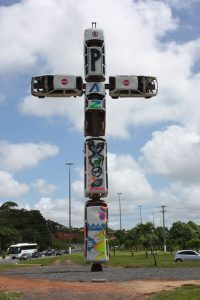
120, 211
164, 235
69, 176
140, 206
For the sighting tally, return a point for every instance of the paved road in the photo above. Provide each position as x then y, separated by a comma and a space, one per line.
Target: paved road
109, 274
8, 261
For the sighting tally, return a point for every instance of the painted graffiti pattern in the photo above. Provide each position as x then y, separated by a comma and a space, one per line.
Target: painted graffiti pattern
96, 169
96, 233
95, 150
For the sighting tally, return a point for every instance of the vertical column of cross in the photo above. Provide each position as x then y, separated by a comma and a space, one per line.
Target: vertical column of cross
95, 148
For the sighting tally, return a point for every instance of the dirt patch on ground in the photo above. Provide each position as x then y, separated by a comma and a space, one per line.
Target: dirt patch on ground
35, 289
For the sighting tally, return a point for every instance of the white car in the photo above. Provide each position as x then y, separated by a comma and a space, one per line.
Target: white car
94, 55
95, 96
186, 255
56, 86
132, 86
95, 110
25, 256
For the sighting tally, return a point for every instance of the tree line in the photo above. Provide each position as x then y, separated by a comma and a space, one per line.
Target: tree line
19, 225
148, 237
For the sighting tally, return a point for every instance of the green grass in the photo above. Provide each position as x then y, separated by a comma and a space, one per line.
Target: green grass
164, 260
46, 261
9, 296
125, 259
185, 292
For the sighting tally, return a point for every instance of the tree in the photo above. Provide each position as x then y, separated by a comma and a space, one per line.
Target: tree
160, 235
120, 237
8, 236
194, 244
181, 233
195, 228
8, 205
146, 236
129, 241
31, 226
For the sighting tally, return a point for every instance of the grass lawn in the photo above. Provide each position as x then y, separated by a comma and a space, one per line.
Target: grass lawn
139, 259
9, 296
127, 259
185, 292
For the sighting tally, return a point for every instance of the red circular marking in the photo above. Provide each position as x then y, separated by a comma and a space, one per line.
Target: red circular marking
126, 82
64, 81
95, 33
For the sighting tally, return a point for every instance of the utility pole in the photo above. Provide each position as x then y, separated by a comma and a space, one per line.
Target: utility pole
95, 145
164, 232
120, 212
140, 207
153, 213
69, 164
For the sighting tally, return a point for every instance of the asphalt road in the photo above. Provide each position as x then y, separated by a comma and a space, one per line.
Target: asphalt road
8, 261
110, 274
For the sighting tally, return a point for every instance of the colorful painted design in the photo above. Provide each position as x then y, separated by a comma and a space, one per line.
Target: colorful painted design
96, 234
96, 227
103, 213
96, 168
95, 104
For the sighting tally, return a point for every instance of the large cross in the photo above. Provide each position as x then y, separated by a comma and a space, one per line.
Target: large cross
95, 147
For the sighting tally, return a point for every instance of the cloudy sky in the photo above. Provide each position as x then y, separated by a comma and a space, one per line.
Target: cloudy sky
153, 145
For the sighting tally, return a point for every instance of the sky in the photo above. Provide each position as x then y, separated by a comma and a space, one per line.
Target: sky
153, 145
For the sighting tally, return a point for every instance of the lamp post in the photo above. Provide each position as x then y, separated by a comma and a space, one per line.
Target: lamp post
69, 164
120, 211
140, 206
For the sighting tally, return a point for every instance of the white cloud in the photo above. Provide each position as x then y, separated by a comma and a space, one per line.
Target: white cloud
138, 41
58, 210
174, 152
9, 187
57, 50
71, 109
181, 201
43, 187
125, 176
34, 40
16, 157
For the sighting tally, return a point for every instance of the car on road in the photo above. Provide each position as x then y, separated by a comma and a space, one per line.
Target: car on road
50, 252
186, 255
25, 256
59, 252
36, 254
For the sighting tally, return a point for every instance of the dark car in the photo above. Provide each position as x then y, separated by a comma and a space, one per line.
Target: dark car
36, 254
59, 252
50, 252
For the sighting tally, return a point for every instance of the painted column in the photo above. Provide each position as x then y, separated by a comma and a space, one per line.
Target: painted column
95, 149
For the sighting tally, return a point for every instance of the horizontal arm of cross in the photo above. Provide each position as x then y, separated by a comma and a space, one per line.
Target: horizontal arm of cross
119, 86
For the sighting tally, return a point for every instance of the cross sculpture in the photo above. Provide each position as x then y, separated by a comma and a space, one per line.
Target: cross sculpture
95, 146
